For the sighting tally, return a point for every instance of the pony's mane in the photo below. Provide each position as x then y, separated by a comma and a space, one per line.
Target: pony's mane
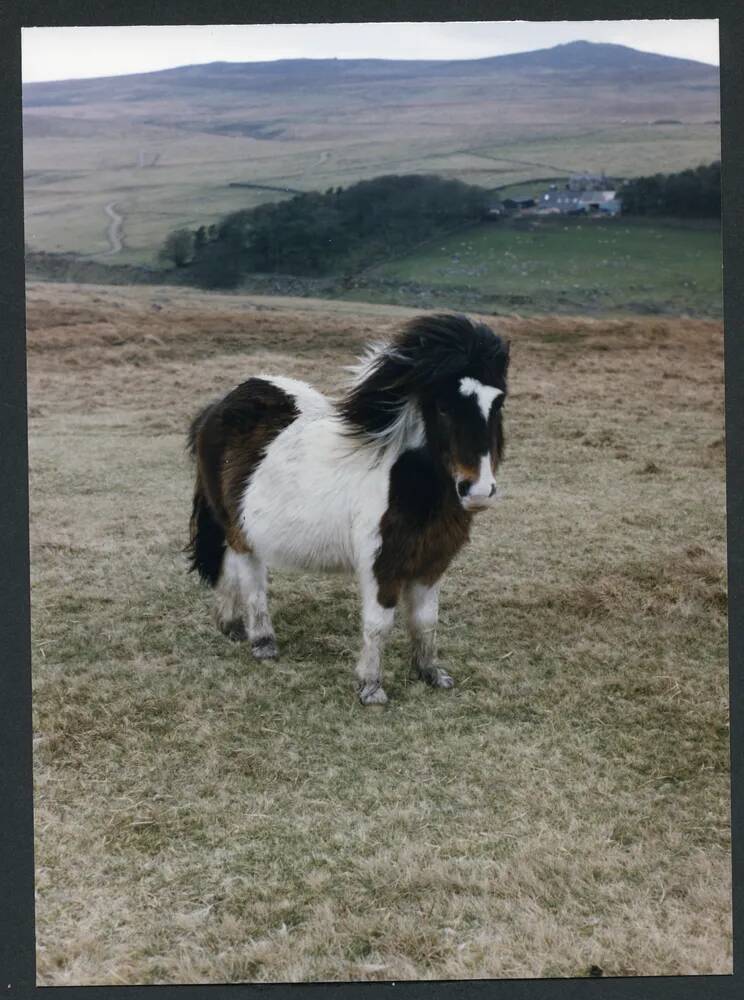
382, 404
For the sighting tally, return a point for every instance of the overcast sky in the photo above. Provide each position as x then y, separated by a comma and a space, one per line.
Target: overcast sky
70, 53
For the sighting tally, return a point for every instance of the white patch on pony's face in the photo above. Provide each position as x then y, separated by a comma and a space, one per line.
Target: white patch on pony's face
483, 492
484, 394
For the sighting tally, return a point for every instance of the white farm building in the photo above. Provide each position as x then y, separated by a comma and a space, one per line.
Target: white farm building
572, 202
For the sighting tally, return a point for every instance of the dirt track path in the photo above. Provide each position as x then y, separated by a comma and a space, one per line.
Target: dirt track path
113, 233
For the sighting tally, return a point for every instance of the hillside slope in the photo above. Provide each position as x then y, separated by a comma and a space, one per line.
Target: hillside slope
570, 59
166, 148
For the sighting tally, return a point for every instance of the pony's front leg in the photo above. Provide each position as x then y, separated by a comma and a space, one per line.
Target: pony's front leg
422, 609
377, 621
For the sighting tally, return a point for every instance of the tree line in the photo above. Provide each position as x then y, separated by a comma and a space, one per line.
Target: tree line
687, 194
334, 232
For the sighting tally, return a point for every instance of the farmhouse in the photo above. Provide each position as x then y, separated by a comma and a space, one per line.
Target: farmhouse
560, 200
568, 201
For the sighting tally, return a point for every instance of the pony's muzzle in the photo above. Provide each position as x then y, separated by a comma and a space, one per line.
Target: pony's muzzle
477, 497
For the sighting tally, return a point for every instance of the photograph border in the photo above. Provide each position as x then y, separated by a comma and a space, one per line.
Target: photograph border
17, 942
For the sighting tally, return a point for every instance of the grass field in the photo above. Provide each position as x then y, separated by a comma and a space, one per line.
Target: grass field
200, 817
565, 264
69, 181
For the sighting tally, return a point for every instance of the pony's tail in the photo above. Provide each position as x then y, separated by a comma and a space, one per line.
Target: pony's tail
206, 548
195, 427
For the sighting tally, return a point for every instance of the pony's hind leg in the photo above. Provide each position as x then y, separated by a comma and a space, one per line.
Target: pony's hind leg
254, 586
228, 606
422, 610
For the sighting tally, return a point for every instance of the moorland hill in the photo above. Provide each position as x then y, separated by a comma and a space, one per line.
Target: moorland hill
186, 145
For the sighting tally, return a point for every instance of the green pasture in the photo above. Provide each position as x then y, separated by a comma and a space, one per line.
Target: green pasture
560, 264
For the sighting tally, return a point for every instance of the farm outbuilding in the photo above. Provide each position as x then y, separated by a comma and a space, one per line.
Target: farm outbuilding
495, 212
600, 201
518, 204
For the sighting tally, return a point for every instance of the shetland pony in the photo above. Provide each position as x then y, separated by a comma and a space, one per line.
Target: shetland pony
383, 483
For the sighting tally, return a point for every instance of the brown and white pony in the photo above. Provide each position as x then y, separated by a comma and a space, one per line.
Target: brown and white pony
382, 483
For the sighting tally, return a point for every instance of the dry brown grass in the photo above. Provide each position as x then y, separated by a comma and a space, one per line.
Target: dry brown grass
203, 818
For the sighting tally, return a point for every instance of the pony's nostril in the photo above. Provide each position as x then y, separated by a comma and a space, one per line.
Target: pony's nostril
463, 487
493, 489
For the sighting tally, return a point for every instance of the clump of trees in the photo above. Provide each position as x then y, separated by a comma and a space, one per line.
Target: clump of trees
688, 194
317, 234
178, 247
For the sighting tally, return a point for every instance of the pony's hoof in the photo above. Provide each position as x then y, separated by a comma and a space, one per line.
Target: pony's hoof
439, 679
265, 648
372, 694
234, 629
